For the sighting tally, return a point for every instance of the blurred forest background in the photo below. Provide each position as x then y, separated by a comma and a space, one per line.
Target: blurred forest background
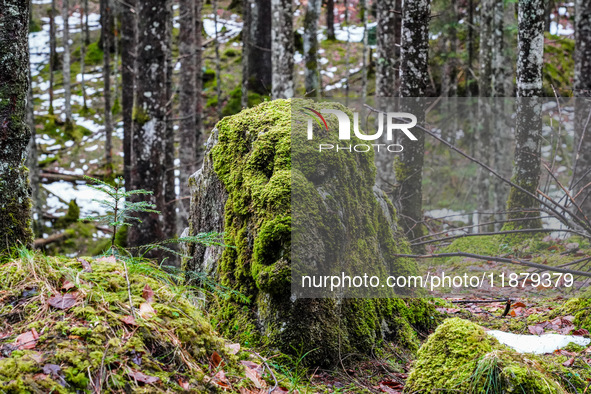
95, 65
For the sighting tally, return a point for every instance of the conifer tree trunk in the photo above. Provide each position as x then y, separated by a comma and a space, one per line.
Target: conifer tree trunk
170, 196
199, 136
86, 27
483, 136
582, 88
128, 50
413, 77
66, 63
52, 54
259, 48
150, 118
282, 49
106, 38
363, 4
246, 44
312, 77
187, 103
83, 13
15, 202
330, 20
528, 132
386, 48
218, 60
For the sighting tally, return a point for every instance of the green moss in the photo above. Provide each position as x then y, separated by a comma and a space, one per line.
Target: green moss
253, 160
90, 339
461, 357
140, 116
94, 54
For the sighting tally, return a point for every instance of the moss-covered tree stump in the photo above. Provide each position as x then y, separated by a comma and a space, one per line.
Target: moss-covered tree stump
244, 189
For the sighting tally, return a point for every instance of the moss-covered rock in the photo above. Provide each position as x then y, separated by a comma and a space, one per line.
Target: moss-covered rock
99, 344
461, 357
245, 190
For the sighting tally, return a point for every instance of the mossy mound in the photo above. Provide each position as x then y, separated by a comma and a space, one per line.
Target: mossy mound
67, 326
245, 190
461, 357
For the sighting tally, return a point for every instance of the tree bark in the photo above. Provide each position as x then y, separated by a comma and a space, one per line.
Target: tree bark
106, 38
218, 60
128, 50
582, 88
66, 63
282, 49
83, 12
413, 77
484, 137
52, 54
312, 77
386, 48
150, 118
246, 6
528, 131
170, 196
187, 103
15, 202
330, 20
259, 50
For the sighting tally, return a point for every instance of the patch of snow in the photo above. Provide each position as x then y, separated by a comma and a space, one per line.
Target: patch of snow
537, 344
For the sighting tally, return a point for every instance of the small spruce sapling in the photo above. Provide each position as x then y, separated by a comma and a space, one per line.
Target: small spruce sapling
119, 208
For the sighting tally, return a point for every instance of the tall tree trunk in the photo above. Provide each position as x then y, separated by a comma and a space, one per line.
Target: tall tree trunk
413, 77
170, 195
32, 162
282, 46
469, 71
386, 42
150, 118
312, 76
502, 140
365, 49
106, 35
347, 54
52, 54
128, 50
187, 104
86, 26
15, 202
483, 136
246, 45
83, 12
528, 131
582, 88
259, 51
218, 60
66, 64
199, 135
330, 20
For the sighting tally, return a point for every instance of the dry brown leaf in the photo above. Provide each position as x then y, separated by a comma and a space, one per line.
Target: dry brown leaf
65, 301
580, 332
233, 348
569, 362
143, 378
68, 285
146, 310
86, 267
255, 376
215, 359
148, 294
129, 320
220, 379
107, 259
27, 340
536, 329
519, 305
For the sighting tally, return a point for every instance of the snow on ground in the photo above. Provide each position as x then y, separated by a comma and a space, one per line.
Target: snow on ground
537, 344
84, 195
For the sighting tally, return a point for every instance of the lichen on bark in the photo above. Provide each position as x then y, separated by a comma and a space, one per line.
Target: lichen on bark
15, 202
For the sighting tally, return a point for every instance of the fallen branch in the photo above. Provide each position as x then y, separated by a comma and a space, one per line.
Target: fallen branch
527, 230
497, 259
41, 242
